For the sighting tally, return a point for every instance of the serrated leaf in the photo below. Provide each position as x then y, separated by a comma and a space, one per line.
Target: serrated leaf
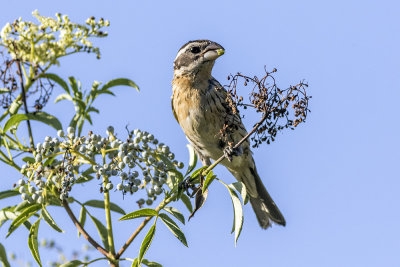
173, 227
3, 257
241, 188
186, 200
73, 263
23, 216
82, 218
139, 213
102, 231
208, 180
237, 213
57, 79
63, 97
151, 263
50, 221
100, 204
8, 193
118, 82
36, 116
192, 159
33, 242
174, 212
146, 242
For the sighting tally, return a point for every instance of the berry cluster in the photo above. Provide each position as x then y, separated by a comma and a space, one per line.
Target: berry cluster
140, 162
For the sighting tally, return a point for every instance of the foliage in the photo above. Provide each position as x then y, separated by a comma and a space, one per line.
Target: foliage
51, 168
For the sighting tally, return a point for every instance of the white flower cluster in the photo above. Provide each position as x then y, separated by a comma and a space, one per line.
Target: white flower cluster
51, 39
140, 162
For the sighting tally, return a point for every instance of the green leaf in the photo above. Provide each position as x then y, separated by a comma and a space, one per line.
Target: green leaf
63, 97
29, 159
57, 79
73, 84
73, 263
192, 159
23, 216
3, 256
82, 218
197, 172
135, 263
100, 204
174, 212
173, 227
33, 242
8, 193
209, 178
186, 200
50, 221
237, 212
37, 116
241, 188
4, 90
102, 231
117, 82
146, 242
93, 109
22, 205
151, 263
139, 213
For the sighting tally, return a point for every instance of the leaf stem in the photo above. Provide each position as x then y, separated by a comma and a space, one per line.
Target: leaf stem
107, 209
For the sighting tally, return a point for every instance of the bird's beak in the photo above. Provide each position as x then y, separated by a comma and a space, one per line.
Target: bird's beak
213, 51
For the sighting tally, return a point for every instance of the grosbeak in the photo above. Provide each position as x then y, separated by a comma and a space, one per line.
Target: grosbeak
200, 106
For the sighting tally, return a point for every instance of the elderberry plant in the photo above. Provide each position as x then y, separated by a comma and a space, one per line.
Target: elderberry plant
137, 166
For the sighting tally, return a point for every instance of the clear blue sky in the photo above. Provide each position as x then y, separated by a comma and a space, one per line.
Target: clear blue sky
335, 178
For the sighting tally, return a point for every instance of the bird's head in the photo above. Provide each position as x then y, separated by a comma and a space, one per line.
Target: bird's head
197, 58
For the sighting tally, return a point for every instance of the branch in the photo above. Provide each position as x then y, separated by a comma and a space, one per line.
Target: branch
140, 227
25, 105
84, 233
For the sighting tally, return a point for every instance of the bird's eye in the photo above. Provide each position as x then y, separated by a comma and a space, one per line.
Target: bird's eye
195, 50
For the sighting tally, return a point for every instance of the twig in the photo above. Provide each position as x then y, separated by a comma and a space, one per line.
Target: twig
140, 227
25, 105
84, 233
256, 126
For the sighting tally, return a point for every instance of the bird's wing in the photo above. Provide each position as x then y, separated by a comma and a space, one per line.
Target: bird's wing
231, 117
173, 110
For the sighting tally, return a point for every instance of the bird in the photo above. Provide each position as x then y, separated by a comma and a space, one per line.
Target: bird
199, 104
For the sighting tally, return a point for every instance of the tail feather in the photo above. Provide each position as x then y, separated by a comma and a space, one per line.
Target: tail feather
263, 205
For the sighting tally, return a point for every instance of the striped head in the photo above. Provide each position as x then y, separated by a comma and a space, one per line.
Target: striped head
196, 57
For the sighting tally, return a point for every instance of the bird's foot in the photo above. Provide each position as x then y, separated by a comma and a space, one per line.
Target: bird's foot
187, 185
229, 152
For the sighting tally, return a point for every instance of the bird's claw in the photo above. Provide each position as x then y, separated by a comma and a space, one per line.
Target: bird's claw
229, 152
187, 184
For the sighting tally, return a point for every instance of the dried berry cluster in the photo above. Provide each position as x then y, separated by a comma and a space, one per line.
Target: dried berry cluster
10, 84
280, 108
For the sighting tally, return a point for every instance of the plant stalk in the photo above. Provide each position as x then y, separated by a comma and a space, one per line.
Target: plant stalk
32, 143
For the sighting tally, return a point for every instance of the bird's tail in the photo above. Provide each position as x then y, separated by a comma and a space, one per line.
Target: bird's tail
263, 205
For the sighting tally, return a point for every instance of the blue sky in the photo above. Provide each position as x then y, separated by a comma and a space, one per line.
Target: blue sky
335, 178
